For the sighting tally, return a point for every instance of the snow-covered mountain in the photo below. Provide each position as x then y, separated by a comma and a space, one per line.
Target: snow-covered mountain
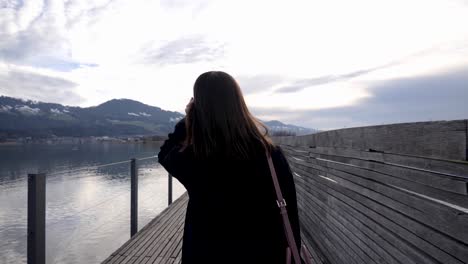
278, 128
118, 117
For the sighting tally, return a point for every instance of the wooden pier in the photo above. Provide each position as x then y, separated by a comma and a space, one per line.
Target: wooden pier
160, 241
383, 194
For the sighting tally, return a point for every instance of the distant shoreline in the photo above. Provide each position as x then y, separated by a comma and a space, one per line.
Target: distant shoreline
10, 143
13, 143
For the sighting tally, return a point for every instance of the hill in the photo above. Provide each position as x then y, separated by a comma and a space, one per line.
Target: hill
117, 117
278, 128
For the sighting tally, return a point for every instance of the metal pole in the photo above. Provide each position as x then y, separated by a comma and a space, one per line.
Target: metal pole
36, 218
169, 192
133, 198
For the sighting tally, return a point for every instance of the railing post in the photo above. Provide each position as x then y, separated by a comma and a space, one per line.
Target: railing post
133, 198
36, 218
169, 191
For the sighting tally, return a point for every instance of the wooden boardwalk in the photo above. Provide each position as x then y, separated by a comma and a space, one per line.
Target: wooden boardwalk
395, 194
160, 241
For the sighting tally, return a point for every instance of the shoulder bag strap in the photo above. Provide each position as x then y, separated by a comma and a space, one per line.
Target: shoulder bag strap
284, 213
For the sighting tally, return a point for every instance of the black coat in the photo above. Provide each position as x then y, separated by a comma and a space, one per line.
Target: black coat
232, 215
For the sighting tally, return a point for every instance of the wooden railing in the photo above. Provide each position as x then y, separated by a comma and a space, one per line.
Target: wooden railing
383, 194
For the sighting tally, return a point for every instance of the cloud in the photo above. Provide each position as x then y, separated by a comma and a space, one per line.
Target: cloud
437, 97
302, 84
274, 64
37, 34
34, 86
26, 34
9, 4
185, 50
196, 6
77, 12
257, 83
299, 85
28, 110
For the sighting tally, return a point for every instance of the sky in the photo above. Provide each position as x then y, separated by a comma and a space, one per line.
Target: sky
318, 64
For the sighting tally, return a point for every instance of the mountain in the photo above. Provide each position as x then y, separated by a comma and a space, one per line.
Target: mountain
118, 117
280, 129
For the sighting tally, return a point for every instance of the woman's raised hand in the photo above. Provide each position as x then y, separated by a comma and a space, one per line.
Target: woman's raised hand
189, 106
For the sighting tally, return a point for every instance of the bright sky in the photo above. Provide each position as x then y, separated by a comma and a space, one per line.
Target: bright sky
321, 64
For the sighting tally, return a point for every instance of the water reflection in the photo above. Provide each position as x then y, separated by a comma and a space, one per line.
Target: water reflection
88, 210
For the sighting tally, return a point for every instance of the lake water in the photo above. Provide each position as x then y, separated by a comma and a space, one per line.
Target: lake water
87, 206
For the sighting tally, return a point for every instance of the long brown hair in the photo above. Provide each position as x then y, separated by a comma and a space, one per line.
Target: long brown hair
219, 124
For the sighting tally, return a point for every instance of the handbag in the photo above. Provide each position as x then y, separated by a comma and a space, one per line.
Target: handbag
281, 202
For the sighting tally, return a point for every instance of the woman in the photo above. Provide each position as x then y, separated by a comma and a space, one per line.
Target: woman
218, 153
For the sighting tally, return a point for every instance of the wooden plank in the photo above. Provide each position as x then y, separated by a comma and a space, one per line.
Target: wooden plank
337, 237
322, 246
169, 238
410, 230
144, 261
315, 249
353, 242
178, 258
368, 241
116, 259
163, 260
151, 235
445, 219
326, 246
147, 228
315, 245
155, 241
385, 201
359, 236
434, 179
335, 249
372, 234
439, 139
154, 250
342, 232
162, 224
175, 241
176, 252
316, 258
456, 201
378, 238
146, 237
398, 191
389, 239
156, 247
458, 169
157, 231
124, 259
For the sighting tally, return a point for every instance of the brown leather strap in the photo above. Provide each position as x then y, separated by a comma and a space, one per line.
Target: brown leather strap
284, 213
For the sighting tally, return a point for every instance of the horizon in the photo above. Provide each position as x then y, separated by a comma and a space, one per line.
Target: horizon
323, 65
270, 120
